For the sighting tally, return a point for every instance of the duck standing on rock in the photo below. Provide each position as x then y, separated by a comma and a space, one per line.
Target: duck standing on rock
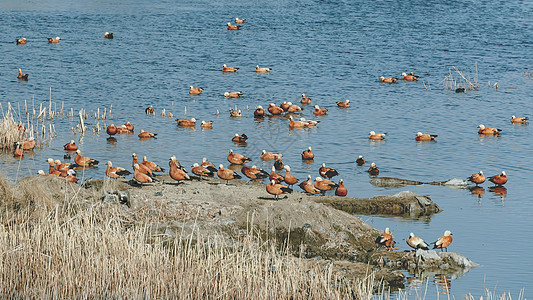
176, 171
386, 239
201, 171
324, 184
416, 242
277, 189
254, 173
227, 174
141, 177
115, 172
444, 241
289, 178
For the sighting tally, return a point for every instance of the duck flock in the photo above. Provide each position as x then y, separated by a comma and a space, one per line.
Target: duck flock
145, 171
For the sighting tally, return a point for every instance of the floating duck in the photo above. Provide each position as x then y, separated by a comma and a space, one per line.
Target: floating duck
341, 189
488, 130
275, 176
477, 178
284, 105
278, 163
262, 70
187, 123
129, 126
444, 241
70, 146
376, 136
388, 79
227, 174
233, 94
254, 173
425, 137
237, 20
18, 152
115, 172
296, 124
149, 110
62, 167
237, 159
275, 110
108, 35
54, 40
29, 144
343, 103
293, 108
308, 154
21, 41
305, 100
235, 113
327, 172
233, 27
146, 135
519, 120
207, 124
195, 91
289, 178
22, 76
111, 129
84, 161
51, 167
416, 242
309, 123
277, 189
410, 77
239, 138
373, 170
320, 111
499, 179
360, 160
269, 155
228, 69
259, 112
386, 239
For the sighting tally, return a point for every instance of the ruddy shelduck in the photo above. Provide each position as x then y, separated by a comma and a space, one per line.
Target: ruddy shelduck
70, 146
324, 184
111, 129
425, 137
228, 69
296, 124
416, 242
388, 79
146, 135
409, 77
18, 152
309, 123
488, 130
373, 170
22, 76
343, 103
54, 40
477, 178
386, 239
61, 167
305, 100
310, 188
141, 177
108, 35
195, 91
177, 172
444, 241
341, 189
320, 111
207, 124
129, 126
201, 171
262, 70
236, 158
233, 27
239, 138
303, 183
519, 120
71, 176
233, 94
21, 41
293, 108
269, 155
372, 135
208, 165
227, 174
275, 176
115, 172
84, 161
289, 178
327, 172
150, 110
499, 179
254, 173
51, 167
235, 113
277, 189
142, 168
187, 123
360, 160
274, 109
152, 165
237, 20
259, 112
42, 173
29, 144
278, 163
308, 154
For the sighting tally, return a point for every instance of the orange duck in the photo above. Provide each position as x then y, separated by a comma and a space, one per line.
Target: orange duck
327, 172
233, 27
239, 138
146, 135
477, 178
410, 77
269, 155
187, 123
324, 184
237, 20
227, 174
386, 239
305, 100
488, 130
71, 176
499, 179
115, 172
293, 108
262, 70
235, 113
275, 176
22, 76
111, 129
208, 165
309, 187
308, 154
128, 126
29, 144
289, 178
278, 163
18, 152
54, 40
296, 124
320, 111
141, 178
275, 110
177, 172
277, 189
376, 136
373, 170
388, 79
149, 110
70, 146
237, 159
341, 189
21, 41
425, 137
84, 161
207, 124
201, 171
518, 120
284, 105
62, 167
444, 241
254, 173
142, 168
108, 35
151, 165
343, 104
228, 69
416, 242
233, 94
195, 91
259, 112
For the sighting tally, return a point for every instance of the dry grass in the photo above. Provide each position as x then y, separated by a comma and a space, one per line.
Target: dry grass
10, 130
59, 241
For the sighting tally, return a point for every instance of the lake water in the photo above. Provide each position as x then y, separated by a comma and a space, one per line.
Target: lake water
330, 50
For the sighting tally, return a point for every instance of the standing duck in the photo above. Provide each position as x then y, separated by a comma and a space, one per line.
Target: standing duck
277, 189
499, 179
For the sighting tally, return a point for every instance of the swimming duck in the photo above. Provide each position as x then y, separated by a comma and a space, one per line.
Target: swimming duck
84, 161
327, 172
488, 130
343, 103
518, 120
108, 35
275, 110
187, 123
425, 137
262, 70
228, 69
22, 76
308, 154
146, 135
360, 160
29, 144
376, 136
233, 27
237, 20
373, 170
388, 79
70, 146
207, 124
305, 100
410, 77
320, 111
341, 189
259, 112
21, 41
239, 138
233, 94
52, 40
269, 155
195, 91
